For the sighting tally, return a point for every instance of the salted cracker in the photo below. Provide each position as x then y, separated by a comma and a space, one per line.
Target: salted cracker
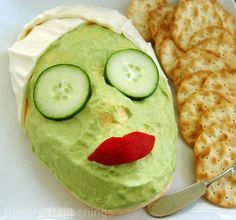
222, 48
169, 54
224, 113
190, 17
212, 161
209, 62
155, 18
138, 11
161, 36
211, 32
215, 133
163, 33
192, 110
194, 57
223, 81
190, 85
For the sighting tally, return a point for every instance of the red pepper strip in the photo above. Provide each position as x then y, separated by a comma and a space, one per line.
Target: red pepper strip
121, 150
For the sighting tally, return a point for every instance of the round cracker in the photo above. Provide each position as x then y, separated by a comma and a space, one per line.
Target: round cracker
223, 81
225, 113
211, 32
209, 62
138, 11
190, 17
183, 61
169, 54
215, 133
155, 18
211, 162
221, 48
190, 85
192, 110
163, 33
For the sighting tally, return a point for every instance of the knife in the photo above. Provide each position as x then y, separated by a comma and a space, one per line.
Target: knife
170, 204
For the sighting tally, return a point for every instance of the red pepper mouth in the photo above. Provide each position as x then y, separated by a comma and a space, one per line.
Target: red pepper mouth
122, 150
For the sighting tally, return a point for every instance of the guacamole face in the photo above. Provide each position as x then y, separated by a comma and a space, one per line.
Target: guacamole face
65, 145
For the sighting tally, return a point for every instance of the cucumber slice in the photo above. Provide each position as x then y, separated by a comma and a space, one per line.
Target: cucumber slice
61, 91
133, 73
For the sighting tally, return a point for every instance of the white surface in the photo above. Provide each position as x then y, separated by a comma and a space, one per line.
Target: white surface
27, 188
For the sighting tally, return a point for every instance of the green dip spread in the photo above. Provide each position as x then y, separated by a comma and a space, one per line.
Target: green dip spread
65, 145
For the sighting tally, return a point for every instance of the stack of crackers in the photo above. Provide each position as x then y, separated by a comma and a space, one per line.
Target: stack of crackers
195, 41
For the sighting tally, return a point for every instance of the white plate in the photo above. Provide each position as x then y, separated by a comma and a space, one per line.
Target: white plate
27, 188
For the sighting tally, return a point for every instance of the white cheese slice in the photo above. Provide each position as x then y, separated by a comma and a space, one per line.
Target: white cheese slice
24, 54
106, 17
49, 26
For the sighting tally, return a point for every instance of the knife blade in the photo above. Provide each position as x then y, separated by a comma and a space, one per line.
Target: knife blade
170, 204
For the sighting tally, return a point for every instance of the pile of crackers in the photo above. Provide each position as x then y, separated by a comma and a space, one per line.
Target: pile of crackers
195, 41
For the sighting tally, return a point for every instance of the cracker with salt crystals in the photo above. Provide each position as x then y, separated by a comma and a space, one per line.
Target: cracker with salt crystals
138, 11
215, 133
190, 17
169, 54
229, 21
190, 85
221, 48
192, 110
223, 81
184, 60
212, 161
211, 32
225, 113
163, 33
203, 62
155, 18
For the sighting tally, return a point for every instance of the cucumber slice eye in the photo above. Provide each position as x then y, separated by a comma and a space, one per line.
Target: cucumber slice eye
61, 91
133, 73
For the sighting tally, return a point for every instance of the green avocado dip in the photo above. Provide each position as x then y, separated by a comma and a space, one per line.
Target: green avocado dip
65, 145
